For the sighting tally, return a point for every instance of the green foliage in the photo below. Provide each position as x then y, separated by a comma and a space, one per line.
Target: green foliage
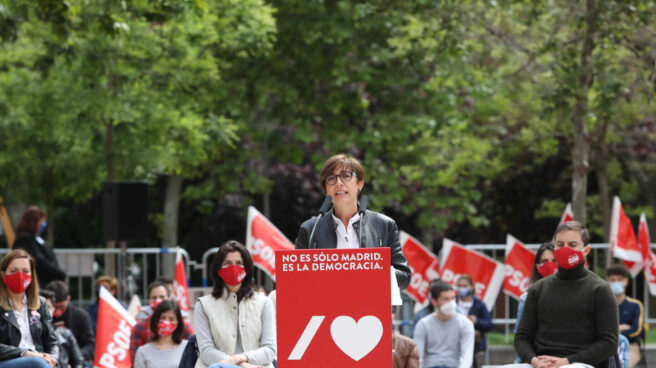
151, 72
443, 101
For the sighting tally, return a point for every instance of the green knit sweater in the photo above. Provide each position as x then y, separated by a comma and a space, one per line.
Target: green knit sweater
571, 314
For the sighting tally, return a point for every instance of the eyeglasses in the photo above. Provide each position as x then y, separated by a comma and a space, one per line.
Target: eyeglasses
346, 176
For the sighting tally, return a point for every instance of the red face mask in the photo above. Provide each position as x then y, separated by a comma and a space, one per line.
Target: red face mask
155, 303
232, 275
58, 312
568, 258
17, 282
166, 328
547, 268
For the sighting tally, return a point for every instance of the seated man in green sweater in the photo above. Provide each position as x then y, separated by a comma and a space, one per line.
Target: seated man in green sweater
570, 318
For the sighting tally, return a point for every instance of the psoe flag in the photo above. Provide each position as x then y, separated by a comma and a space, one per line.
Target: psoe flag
568, 215
487, 273
422, 263
518, 266
180, 286
649, 258
263, 239
623, 241
113, 333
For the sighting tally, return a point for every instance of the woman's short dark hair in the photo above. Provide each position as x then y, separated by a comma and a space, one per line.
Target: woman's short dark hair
246, 287
544, 247
163, 307
341, 161
29, 223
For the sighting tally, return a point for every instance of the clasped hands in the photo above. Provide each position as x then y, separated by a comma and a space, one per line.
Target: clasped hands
546, 361
240, 360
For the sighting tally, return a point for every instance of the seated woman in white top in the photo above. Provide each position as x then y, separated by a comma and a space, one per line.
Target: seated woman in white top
235, 326
167, 346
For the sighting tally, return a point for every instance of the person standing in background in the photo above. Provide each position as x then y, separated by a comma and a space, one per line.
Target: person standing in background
28, 230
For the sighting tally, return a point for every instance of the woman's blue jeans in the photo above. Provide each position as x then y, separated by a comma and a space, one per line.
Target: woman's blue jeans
24, 362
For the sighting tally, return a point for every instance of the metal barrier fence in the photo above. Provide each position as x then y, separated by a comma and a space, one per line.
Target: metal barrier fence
597, 259
82, 266
496, 251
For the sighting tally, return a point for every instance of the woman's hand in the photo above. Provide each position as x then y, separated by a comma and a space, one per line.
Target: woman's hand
249, 365
237, 359
47, 357
50, 360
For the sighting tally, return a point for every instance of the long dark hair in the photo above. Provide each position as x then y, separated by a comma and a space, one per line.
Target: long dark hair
538, 254
163, 307
30, 220
246, 287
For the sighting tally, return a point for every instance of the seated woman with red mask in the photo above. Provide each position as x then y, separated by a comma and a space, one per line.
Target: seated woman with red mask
235, 326
27, 337
166, 349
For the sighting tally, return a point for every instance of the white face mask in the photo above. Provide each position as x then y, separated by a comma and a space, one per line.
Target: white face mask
448, 309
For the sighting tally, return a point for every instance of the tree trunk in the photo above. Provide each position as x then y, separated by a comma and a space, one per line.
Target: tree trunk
109, 147
50, 229
171, 207
170, 233
580, 144
110, 259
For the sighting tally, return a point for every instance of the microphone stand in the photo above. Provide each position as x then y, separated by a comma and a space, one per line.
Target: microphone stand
325, 206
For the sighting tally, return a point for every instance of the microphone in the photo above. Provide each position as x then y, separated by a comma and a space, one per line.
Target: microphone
363, 204
363, 208
325, 207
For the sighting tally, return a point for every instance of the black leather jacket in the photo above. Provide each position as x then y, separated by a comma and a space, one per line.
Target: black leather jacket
70, 351
43, 334
374, 230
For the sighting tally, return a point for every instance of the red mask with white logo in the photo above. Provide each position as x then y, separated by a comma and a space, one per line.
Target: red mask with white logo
166, 328
568, 258
547, 268
17, 282
232, 275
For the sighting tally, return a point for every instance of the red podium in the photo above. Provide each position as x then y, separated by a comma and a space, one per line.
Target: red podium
334, 308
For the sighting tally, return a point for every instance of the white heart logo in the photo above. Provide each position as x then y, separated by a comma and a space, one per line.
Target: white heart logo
356, 339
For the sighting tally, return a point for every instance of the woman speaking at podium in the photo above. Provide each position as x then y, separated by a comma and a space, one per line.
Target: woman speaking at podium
349, 224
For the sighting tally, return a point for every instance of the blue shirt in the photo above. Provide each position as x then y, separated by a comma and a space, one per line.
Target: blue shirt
631, 313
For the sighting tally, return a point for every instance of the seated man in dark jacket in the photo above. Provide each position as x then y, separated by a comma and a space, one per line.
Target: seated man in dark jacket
348, 225
69, 352
74, 318
571, 316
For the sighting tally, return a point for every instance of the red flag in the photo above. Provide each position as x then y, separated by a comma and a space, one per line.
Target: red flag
623, 241
180, 287
113, 333
518, 266
486, 272
263, 239
568, 215
423, 264
649, 258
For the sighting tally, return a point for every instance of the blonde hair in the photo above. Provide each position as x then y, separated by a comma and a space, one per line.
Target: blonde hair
32, 292
114, 286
